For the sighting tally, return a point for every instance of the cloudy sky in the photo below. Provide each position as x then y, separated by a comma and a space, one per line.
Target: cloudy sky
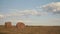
30, 12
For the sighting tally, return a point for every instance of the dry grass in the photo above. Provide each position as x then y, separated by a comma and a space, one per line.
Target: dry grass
31, 30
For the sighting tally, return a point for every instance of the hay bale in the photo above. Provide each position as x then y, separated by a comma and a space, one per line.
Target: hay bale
20, 25
8, 24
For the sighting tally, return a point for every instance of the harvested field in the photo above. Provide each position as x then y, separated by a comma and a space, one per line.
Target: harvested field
31, 30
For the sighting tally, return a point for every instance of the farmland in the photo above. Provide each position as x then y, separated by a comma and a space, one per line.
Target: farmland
31, 30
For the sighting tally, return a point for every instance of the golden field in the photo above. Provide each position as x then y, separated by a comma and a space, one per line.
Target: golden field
31, 30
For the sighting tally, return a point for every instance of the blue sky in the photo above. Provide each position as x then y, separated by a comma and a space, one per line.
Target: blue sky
31, 12
23, 4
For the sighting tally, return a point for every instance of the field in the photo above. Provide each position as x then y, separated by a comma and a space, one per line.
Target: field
31, 30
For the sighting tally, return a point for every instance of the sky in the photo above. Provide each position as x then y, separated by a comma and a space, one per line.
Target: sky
30, 12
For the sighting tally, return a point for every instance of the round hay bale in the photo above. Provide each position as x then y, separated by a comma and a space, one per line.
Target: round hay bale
8, 24
20, 25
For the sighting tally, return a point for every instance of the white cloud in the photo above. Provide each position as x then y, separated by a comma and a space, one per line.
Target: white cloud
26, 13
29, 12
25, 21
52, 7
56, 20
1, 16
